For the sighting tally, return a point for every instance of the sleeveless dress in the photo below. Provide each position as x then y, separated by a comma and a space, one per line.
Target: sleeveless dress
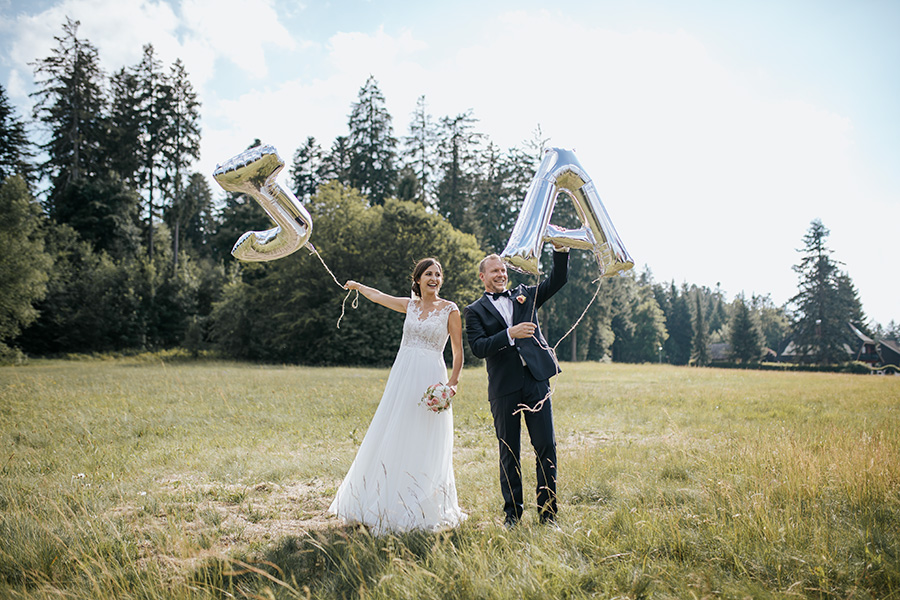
402, 477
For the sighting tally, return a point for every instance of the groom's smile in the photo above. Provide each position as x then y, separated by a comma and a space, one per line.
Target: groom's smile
494, 275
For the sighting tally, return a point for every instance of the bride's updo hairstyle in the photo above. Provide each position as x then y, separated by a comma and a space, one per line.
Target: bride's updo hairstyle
420, 268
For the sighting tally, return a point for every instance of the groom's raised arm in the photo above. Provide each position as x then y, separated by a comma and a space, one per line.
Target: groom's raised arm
482, 344
557, 278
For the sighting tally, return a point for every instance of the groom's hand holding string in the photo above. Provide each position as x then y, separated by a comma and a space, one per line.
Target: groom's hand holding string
522, 330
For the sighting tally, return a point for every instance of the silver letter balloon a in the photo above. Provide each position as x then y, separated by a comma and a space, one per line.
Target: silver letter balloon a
253, 173
561, 173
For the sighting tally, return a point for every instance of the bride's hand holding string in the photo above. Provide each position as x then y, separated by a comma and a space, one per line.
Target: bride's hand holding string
378, 297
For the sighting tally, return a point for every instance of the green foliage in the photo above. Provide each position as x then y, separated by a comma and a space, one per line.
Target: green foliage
287, 310
194, 216
372, 145
180, 147
71, 106
458, 152
746, 338
501, 185
103, 210
773, 321
98, 303
675, 305
306, 169
23, 261
420, 157
643, 340
92, 302
700, 340
336, 164
15, 148
125, 124
825, 303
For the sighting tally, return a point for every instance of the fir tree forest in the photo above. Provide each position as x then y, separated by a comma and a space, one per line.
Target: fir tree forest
113, 244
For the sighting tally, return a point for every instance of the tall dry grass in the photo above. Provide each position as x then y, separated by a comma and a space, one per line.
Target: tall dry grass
137, 478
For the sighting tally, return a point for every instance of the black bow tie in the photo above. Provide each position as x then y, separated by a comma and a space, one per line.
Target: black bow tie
496, 295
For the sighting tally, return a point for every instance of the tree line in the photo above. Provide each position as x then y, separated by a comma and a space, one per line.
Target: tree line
128, 249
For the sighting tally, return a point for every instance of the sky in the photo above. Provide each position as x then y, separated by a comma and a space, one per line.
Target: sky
715, 131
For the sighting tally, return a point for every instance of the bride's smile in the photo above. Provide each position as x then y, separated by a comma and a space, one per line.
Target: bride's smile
431, 281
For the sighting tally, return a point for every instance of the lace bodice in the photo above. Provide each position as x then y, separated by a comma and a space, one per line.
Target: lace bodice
428, 331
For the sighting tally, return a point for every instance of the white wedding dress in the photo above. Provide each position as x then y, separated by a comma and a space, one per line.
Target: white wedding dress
402, 476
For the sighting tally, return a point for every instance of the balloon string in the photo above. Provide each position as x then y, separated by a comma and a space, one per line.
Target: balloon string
355, 303
537, 407
572, 328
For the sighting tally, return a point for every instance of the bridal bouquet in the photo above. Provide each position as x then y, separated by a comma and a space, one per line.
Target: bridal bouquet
437, 397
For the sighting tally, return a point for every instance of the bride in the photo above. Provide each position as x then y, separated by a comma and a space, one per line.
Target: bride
402, 476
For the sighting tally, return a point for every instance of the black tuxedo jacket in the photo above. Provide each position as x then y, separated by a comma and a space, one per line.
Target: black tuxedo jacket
486, 331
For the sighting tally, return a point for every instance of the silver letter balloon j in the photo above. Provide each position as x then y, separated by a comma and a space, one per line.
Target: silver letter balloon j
253, 173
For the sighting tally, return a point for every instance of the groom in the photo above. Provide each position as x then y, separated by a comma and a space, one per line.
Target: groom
502, 328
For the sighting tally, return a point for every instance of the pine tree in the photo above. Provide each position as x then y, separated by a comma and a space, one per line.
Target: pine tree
180, 147
15, 149
849, 305
746, 339
336, 164
372, 145
459, 146
700, 341
306, 169
500, 185
70, 105
125, 125
201, 224
643, 340
678, 324
421, 153
23, 262
773, 321
152, 94
825, 303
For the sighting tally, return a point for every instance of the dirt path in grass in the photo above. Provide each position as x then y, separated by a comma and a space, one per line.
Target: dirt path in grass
187, 519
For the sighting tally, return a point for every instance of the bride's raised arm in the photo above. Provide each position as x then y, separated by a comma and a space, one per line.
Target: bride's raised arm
392, 302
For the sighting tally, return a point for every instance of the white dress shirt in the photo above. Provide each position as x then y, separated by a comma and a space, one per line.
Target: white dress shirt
504, 306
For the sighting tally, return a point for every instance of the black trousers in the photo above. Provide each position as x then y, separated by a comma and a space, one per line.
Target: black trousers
508, 425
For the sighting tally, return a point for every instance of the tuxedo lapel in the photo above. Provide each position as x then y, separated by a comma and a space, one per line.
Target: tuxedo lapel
491, 310
519, 310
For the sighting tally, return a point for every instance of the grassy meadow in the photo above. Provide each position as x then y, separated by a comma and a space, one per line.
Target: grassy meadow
144, 478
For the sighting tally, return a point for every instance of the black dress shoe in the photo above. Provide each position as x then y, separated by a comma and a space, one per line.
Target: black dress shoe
550, 524
510, 522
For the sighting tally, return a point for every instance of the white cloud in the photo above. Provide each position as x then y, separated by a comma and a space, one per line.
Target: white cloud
238, 30
356, 53
284, 115
707, 177
118, 30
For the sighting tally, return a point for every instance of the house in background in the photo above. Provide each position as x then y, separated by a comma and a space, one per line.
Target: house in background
868, 348
792, 354
889, 351
720, 352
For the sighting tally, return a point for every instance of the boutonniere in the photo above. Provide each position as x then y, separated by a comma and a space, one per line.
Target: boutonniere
520, 299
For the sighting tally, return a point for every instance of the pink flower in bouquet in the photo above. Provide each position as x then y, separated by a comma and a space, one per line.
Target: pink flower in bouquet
437, 397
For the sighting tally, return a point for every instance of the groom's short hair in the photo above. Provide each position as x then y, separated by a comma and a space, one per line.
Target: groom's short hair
485, 259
